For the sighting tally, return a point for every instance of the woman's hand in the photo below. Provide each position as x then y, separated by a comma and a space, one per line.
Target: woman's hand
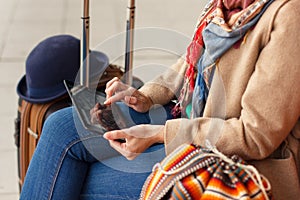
136, 139
118, 91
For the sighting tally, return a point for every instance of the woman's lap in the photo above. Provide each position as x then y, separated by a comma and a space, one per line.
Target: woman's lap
106, 180
72, 158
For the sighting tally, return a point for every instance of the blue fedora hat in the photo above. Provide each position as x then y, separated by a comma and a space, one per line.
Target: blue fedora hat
53, 60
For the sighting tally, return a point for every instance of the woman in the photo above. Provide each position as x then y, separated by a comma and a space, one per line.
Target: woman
241, 92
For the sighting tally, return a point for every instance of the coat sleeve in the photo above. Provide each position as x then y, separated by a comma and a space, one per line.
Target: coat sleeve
270, 105
166, 86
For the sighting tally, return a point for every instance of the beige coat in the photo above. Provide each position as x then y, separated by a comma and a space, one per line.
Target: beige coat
253, 106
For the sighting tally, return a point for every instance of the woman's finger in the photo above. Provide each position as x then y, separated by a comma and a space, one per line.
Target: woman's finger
112, 86
115, 135
109, 83
117, 97
115, 87
120, 96
121, 147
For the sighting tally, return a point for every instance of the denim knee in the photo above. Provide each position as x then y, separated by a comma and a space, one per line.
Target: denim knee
59, 127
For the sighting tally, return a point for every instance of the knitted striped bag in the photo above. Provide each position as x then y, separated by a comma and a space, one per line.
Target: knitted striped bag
193, 172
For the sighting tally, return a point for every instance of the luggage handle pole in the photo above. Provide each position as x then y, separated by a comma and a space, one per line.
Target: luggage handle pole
85, 45
129, 41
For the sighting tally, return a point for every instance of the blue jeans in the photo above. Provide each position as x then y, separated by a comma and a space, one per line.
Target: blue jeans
72, 163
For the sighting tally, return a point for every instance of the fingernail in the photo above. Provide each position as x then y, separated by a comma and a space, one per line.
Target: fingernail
104, 136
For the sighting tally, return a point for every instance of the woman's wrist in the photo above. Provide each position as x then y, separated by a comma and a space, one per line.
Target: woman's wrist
159, 137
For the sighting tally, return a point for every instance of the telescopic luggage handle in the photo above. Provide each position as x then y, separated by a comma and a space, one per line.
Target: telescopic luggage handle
85, 44
129, 41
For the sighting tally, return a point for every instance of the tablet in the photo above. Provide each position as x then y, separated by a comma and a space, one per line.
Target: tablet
84, 99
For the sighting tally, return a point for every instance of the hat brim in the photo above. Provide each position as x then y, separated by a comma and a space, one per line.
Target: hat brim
98, 58
22, 92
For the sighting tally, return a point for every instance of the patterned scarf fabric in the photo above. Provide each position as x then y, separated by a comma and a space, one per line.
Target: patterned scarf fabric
222, 24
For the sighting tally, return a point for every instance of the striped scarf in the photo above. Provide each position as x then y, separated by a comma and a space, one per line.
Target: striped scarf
234, 18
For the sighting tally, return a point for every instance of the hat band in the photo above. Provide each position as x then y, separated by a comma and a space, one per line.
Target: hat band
45, 92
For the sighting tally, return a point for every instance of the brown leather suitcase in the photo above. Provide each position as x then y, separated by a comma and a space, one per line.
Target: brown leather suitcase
28, 126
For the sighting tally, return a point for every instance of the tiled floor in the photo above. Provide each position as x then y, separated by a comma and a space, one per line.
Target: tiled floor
26, 22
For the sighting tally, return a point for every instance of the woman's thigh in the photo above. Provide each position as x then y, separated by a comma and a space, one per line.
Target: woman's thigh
62, 158
118, 178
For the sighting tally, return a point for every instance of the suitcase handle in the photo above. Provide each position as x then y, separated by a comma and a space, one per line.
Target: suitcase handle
85, 45
129, 42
